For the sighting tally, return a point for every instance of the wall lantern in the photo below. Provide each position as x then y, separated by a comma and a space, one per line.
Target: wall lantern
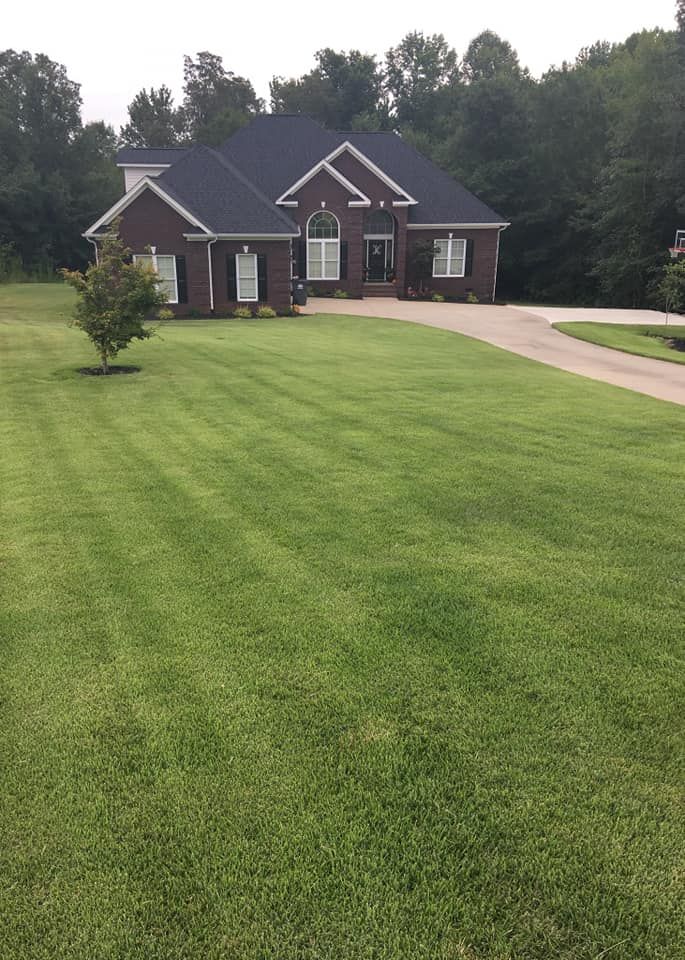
382, 203
245, 247
323, 204
153, 250
450, 235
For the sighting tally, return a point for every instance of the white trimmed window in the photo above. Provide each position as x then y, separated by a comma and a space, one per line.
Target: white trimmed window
323, 246
165, 267
449, 258
246, 276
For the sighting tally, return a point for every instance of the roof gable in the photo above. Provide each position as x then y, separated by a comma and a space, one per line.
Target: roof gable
440, 198
360, 199
147, 183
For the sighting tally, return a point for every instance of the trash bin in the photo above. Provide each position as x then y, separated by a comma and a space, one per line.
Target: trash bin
299, 293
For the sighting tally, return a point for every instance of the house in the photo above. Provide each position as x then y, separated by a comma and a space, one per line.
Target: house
283, 198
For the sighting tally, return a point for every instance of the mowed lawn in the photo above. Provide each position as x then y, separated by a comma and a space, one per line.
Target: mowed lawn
334, 639
645, 340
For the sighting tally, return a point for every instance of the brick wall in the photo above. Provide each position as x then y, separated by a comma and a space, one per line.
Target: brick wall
149, 221
277, 253
482, 278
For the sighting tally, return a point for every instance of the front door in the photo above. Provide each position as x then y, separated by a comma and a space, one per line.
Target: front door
376, 260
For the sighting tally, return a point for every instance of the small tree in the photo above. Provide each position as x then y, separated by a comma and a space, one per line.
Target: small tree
420, 265
671, 290
116, 297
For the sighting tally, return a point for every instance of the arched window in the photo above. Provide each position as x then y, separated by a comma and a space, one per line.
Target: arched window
323, 246
379, 224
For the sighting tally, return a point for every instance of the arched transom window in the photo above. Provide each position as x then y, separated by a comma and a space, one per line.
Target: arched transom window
323, 246
379, 224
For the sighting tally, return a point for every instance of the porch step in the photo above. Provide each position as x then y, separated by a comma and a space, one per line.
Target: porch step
380, 290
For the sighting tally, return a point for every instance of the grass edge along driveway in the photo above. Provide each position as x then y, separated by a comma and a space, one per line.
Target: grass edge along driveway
644, 340
334, 638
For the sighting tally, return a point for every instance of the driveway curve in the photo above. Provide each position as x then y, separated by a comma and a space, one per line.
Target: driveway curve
523, 332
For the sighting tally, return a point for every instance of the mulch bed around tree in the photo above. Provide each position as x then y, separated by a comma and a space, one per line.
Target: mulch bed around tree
98, 371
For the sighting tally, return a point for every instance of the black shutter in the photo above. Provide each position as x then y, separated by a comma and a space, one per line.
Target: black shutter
469, 258
302, 259
181, 280
128, 259
230, 273
343, 260
262, 293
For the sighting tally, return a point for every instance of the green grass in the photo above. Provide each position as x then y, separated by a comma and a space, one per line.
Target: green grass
334, 639
642, 339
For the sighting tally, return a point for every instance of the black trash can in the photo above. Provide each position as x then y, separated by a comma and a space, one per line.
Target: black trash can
299, 293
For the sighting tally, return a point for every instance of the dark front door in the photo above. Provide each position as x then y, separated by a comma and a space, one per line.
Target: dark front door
376, 259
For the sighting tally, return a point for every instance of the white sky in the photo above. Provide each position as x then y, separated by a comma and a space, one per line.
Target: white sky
113, 49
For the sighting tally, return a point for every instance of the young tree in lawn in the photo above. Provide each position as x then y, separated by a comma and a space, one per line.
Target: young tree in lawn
671, 290
116, 298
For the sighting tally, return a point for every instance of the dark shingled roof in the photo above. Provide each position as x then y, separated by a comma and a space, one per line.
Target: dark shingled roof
440, 198
233, 189
154, 156
276, 150
221, 197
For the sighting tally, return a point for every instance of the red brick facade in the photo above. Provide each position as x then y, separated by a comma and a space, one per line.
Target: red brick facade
482, 279
150, 221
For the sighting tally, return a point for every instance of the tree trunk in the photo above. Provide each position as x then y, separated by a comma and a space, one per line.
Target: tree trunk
105, 365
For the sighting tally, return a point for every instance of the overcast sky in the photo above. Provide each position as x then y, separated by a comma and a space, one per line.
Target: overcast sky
113, 49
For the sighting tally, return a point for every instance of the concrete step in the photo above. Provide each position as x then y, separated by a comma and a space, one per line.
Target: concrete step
379, 290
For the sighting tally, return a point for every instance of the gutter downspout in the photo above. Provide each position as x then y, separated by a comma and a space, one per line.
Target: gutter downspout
494, 284
209, 268
95, 247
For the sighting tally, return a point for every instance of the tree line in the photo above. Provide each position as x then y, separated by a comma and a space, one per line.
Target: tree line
587, 162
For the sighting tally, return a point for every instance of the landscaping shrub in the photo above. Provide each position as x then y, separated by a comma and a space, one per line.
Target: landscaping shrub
438, 298
266, 312
242, 313
471, 297
341, 294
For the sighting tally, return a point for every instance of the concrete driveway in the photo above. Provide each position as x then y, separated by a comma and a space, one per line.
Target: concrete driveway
530, 335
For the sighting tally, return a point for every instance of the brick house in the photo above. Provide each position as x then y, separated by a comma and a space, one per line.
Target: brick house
284, 198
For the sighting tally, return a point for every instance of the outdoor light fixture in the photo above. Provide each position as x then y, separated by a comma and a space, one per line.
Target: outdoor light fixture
245, 247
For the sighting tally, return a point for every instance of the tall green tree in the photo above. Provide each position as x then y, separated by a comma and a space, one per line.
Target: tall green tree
488, 56
53, 171
216, 102
421, 77
343, 91
153, 121
641, 191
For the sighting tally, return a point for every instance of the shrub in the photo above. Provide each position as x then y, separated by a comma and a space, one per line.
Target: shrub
471, 297
312, 292
341, 294
438, 298
242, 313
116, 298
266, 313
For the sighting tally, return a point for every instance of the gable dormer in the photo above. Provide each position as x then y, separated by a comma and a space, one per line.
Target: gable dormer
140, 162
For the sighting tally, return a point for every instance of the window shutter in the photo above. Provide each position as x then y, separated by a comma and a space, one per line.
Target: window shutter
262, 293
181, 280
343, 260
128, 259
468, 270
230, 273
302, 259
